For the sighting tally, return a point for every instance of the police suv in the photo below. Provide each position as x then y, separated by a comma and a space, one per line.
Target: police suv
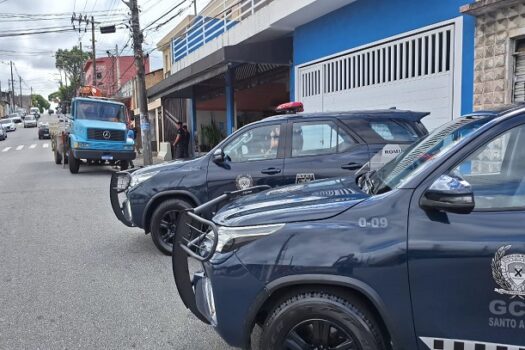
280, 150
426, 253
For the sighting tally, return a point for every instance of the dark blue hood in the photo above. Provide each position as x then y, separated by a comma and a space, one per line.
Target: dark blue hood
170, 165
312, 201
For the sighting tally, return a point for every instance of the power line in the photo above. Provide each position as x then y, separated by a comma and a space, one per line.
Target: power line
36, 33
165, 14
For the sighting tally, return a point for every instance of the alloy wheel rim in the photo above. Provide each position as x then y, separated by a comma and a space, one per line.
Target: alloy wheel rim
168, 227
319, 334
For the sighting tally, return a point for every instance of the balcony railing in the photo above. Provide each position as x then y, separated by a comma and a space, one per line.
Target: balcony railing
212, 22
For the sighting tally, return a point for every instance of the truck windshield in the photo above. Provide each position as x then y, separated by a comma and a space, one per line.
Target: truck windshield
95, 110
422, 153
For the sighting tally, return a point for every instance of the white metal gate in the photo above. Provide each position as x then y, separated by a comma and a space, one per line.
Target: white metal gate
412, 72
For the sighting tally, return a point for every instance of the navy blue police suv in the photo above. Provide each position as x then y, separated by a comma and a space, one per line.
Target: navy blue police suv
426, 253
280, 150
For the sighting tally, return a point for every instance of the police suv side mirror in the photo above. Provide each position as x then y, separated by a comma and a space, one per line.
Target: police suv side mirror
449, 193
218, 156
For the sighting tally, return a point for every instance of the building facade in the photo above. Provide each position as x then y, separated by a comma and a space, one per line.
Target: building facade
499, 61
444, 57
112, 72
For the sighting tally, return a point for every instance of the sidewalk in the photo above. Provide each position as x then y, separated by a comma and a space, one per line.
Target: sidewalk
139, 161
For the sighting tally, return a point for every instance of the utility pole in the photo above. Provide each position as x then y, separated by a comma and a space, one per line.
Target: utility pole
82, 71
78, 18
195, 6
21, 97
118, 66
94, 52
31, 98
141, 81
12, 89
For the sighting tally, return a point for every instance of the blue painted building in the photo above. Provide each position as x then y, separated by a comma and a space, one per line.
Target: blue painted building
389, 46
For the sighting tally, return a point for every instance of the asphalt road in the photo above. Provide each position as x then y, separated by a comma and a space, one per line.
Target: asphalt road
71, 275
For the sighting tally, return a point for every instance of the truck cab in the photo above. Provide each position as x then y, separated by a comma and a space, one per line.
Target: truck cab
98, 134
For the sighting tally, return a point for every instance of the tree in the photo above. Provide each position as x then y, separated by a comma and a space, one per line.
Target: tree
70, 63
40, 102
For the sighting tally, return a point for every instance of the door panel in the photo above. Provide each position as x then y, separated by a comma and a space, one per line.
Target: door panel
252, 158
322, 149
467, 270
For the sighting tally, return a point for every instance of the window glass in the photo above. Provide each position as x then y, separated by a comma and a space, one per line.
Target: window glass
255, 144
392, 130
496, 171
95, 110
318, 138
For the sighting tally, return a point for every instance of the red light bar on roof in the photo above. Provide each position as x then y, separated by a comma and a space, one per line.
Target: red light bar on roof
290, 108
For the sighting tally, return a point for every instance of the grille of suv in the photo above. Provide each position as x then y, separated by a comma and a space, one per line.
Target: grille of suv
98, 134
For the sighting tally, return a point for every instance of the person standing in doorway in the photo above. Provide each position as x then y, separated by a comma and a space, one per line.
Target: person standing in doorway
187, 141
180, 140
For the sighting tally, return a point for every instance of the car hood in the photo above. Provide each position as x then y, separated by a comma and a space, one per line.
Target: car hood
312, 201
169, 166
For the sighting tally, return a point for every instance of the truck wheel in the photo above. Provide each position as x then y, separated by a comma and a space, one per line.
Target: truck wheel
164, 223
124, 165
321, 320
58, 157
74, 164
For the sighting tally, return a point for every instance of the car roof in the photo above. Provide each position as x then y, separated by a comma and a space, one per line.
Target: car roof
94, 99
377, 113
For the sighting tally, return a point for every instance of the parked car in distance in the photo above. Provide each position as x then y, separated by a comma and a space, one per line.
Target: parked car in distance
8, 124
16, 118
50, 111
337, 264
43, 131
3, 133
276, 151
35, 111
30, 121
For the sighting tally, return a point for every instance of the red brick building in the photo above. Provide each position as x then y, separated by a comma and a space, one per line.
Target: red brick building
112, 72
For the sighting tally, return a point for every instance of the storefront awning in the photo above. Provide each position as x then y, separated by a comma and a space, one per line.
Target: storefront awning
277, 52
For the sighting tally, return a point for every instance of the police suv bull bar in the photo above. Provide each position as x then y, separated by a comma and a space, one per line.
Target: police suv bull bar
188, 243
119, 183
191, 244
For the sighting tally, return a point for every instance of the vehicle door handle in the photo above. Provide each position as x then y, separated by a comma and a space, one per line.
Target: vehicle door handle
271, 171
351, 166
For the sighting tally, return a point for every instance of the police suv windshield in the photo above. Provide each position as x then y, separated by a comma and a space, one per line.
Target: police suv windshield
95, 110
421, 154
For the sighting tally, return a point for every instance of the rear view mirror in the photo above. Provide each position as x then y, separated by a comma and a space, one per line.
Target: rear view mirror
449, 193
218, 156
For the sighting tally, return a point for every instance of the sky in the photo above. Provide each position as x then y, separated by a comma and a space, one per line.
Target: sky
33, 55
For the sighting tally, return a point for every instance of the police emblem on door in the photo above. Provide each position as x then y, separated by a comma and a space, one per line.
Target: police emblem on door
243, 182
509, 273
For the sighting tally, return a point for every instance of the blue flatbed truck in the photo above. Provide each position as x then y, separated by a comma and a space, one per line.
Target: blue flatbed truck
96, 133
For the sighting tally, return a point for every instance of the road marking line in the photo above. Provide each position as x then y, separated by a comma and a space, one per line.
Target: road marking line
19, 147
6, 149
32, 146
45, 145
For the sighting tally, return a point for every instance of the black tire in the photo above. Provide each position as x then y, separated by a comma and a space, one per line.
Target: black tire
74, 164
164, 221
124, 165
58, 157
338, 320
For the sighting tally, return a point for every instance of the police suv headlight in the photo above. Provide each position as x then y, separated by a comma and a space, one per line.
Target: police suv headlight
231, 238
139, 178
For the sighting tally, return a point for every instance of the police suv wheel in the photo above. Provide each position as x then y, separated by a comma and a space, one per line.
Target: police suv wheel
319, 320
164, 223
74, 164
